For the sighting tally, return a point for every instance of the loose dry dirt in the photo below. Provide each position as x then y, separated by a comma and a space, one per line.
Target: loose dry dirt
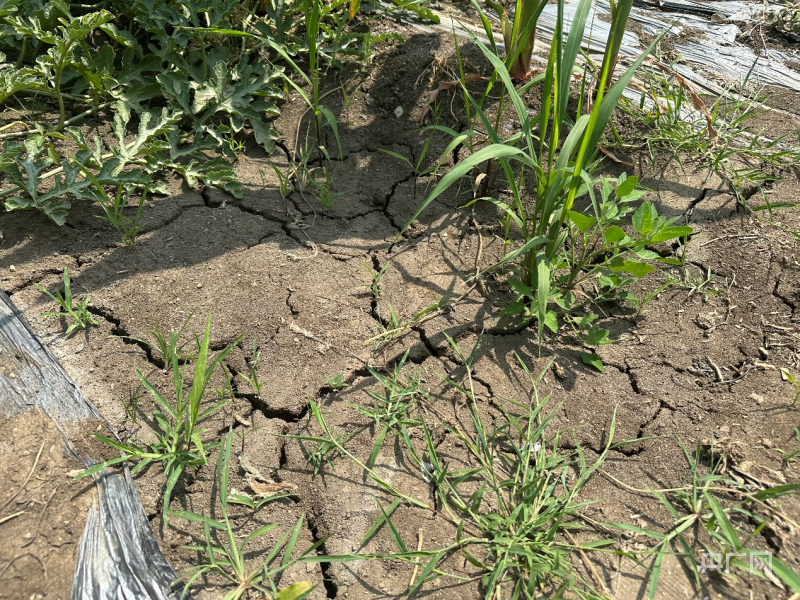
42, 509
691, 367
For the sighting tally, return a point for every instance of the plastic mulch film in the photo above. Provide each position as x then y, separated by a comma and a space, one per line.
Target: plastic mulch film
118, 557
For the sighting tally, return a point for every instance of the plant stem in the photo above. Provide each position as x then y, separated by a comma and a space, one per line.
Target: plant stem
23, 51
59, 97
70, 121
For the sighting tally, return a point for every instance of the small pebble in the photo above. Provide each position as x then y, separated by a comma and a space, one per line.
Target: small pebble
199, 285
398, 112
764, 353
12, 268
757, 397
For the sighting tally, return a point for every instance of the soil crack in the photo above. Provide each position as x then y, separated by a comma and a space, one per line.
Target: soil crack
123, 334
331, 589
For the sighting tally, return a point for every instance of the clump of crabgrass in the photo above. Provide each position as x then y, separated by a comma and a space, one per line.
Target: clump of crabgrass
178, 444
512, 508
78, 316
223, 554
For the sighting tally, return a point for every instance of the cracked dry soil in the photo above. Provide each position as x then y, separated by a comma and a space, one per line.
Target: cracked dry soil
691, 367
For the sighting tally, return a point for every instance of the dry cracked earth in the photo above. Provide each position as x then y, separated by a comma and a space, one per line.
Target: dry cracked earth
690, 368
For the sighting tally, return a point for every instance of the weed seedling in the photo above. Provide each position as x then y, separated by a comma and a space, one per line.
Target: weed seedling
512, 505
131, 405
716, 138
337, 383
416, 167
166, 344
640, 303
223, 554
284, 183
375, 288
394, 326
786, 375
252, 367
697, 508
127, 227
178, 443
701, 284
325, 449
79, 315
390, 410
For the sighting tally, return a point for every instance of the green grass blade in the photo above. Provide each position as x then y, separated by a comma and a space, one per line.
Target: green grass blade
542, 292
393, 530
611, 98
495, 151
223, 463
728, 530
531, 244
287, 553
786, 574
424, 575
569, 57
381, 520
259, 532
376, 447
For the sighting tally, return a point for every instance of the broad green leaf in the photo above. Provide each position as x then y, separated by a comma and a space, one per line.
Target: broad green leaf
644, 218
581, 221
614, 234
597, 336
298, 589
634, 267
551, 321
670, 233
592, 360
626, 186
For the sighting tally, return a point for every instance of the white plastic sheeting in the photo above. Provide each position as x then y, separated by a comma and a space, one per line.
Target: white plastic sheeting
119, 557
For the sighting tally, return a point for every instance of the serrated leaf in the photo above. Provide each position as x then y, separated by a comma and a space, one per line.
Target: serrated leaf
8, 7
14, 80
52, 203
